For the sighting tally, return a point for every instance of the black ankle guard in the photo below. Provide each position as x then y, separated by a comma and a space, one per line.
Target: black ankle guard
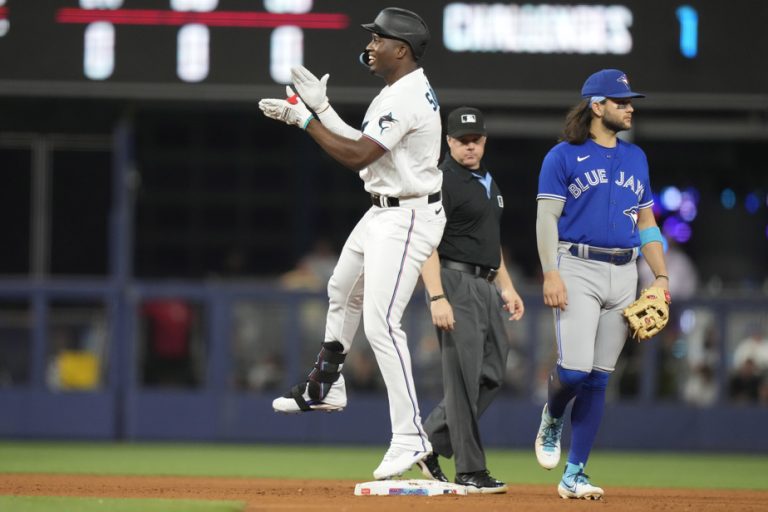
296, 393
326, 371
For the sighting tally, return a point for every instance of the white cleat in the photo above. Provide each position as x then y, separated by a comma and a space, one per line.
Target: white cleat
577, 487
397, 461
297, 400
548, 440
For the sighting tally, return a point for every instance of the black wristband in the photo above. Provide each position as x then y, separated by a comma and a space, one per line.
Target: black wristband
436, 297
662, 275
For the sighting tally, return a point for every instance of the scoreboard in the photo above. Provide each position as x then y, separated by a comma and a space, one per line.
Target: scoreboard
230, 49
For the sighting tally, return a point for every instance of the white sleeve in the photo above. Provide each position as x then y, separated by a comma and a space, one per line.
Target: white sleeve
336, 124
547, 236
388, 121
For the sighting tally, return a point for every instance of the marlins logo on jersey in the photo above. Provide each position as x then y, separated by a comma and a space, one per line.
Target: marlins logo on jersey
386, 121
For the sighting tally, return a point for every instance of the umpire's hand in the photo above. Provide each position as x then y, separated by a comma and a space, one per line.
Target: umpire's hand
513, 304
442, 314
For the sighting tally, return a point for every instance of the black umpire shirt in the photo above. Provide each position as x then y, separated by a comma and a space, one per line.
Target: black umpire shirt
472, 231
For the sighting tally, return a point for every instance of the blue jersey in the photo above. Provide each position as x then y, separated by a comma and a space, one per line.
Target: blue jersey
603, 189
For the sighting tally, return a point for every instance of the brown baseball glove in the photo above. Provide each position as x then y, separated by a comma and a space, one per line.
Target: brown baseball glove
649, 314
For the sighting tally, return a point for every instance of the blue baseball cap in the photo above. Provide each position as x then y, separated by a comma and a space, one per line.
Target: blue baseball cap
611, 83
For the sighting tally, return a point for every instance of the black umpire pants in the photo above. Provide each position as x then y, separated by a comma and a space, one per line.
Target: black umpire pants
474, 357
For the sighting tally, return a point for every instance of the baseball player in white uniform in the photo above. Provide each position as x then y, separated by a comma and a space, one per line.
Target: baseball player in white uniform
396, 154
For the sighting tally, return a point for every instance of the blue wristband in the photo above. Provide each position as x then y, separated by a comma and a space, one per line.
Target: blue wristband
306, 123
650, 235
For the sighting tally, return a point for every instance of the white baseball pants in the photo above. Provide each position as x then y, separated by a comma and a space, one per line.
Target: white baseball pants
376, 274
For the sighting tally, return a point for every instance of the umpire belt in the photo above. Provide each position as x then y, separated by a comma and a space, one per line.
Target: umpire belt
385, 201
614, 256
487, 273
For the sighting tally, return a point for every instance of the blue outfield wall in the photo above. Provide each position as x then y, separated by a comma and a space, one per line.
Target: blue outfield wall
41, 414
181, 416
508, 424
125, 410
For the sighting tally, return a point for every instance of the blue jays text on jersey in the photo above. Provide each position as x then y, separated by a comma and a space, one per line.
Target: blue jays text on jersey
595, 177
603, 189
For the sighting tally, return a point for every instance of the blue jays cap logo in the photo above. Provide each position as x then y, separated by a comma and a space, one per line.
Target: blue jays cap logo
623, 79
385, 122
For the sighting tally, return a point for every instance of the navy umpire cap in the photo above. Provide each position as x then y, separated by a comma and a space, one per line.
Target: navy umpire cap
611, 83
401, 24
465, 121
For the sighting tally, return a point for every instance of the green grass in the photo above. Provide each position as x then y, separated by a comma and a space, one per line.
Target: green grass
49, 503
631, 469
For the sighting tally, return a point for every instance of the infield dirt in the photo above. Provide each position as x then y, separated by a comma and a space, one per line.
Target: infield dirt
337, 495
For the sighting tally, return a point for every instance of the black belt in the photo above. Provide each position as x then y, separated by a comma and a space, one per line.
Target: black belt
487, 273
615, 256
384, 201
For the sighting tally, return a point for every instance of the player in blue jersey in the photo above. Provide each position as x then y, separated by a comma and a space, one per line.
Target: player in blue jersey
593, 217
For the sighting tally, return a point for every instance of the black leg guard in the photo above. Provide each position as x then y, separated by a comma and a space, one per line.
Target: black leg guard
326, 371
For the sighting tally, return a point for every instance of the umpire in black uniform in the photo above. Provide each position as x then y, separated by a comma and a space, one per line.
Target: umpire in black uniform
469, 290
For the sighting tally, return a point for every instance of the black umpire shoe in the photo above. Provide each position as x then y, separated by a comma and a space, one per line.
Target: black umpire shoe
430, 468
480, 482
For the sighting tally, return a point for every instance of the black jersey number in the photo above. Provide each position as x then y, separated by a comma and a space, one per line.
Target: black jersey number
432, 99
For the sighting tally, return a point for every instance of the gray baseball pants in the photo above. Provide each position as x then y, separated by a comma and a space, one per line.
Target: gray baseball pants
474, 357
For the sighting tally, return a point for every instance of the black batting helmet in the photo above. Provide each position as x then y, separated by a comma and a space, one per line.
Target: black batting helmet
402, 24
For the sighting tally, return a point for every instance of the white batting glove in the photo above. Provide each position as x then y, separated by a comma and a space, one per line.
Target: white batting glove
291, 111
311, 90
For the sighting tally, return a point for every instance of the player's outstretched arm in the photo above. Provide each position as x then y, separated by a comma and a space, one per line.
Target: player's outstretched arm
353, 154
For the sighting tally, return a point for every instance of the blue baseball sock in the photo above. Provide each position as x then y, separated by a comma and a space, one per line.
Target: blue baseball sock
563, 386
586, 416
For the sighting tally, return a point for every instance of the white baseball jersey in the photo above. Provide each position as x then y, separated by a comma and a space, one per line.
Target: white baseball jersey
404, 120
381, 261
